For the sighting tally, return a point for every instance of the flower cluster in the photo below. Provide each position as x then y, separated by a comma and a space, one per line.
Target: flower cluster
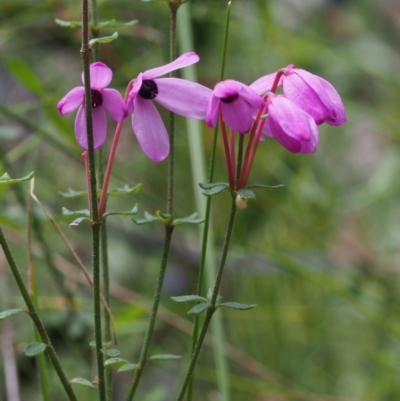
290, 118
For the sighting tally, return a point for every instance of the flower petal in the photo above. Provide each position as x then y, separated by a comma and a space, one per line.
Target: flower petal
290, 125
184, 60
335, 102
150, 130
305, 94
134, 92
183, 97
251, 97
114, 104
72, 100
264, 84
99, 127
100, 75
238, 115
212, 111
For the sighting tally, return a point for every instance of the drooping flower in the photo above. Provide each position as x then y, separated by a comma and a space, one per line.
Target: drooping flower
311, 93
101, 97
237, 103
180, 96
292, 127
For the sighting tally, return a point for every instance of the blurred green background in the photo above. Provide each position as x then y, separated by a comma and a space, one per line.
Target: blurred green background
319, 257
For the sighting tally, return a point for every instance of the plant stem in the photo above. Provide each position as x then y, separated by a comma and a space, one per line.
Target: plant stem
95, 221
221, 362
36, 319
212, 308
153, 314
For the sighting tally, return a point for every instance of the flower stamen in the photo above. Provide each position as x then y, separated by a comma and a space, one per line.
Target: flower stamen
149, 89
97, 98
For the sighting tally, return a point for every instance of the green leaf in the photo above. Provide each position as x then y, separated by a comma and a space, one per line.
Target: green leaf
105, 345
78, 221
115, 361
128, 367
82, 382
246, 193
192, 219
150, 218
25, 75
114, 24
266, 186
189, 298
199, 308
130, 213
34, 349
237, 305
164, 357
104, 39
10, 312
112, 192
111, 352
210, 293
5, 179
213, 188
68, 24
83, 212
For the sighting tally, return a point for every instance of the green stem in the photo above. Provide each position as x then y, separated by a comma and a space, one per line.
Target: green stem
211, 309
154, 309
200, 282
169, 227
95, 222
35, 318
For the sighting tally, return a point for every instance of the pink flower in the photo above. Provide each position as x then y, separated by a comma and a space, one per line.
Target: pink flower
182, 97
311, 93
292, 127
102, 97
237, 103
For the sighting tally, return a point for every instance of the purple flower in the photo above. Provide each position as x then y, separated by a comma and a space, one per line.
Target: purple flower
292, 127
182, 97
311, 93
102, 97
237, 103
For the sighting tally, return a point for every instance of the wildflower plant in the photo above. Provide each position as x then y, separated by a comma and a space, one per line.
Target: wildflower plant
245, 115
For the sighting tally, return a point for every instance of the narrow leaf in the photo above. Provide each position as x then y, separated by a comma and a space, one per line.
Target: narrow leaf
82, 382
68, 24
209, 185
164, 357
215, 190
128, 367
105, 345
83, 212
10, 312
266, 186
34, 349
114, 24
111, 352
150, 218
237, 305
104, 39
199, 308
130, 213
246, 193
192, 219
5, 179
189, 298
115, 361
78, 221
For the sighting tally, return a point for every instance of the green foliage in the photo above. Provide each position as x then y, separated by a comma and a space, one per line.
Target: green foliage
10, 312
34, 349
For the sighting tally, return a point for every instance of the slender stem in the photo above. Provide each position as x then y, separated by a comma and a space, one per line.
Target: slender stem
95, 222
206, 230
171, 159
211, 309
154, 309
228, 154
36, 319
240, 158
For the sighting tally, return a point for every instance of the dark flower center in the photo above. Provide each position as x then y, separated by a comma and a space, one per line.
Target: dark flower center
230, 99
149, 89
97, 98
